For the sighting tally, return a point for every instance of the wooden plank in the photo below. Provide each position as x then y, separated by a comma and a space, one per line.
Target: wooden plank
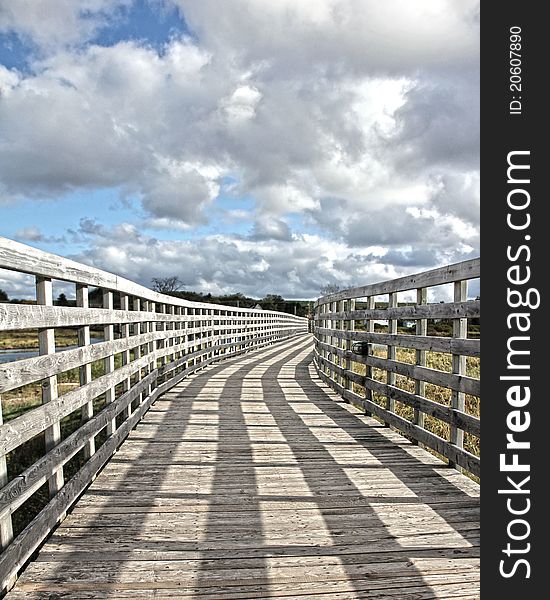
467, 347
453, 381
421, 329
26, 259
444, 310
390, 351
46, 345
173, 516
459, 456
460, 330
85, 368
26, 316
469, 269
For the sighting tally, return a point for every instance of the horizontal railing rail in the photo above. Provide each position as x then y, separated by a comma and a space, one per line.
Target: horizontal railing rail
50, 452
419, 384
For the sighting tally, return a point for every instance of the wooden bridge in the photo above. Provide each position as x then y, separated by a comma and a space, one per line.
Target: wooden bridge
227, 453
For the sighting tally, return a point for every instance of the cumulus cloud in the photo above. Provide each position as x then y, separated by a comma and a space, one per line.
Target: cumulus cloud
225, 264
53, 23
33, 234
364, 36
352, 125
268, 228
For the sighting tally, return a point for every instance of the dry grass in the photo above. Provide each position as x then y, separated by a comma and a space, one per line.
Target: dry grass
27, 339
434, 360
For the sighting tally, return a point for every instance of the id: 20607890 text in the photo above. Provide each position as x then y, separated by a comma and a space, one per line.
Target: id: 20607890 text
515, 64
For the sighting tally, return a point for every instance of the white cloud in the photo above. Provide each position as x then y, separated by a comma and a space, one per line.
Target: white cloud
53, 23
336, 114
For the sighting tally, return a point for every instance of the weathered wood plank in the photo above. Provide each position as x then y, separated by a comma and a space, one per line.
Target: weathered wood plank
453, 381
446, 310
46, 345
26, 259
28, 316
448, 274
173, 516
459, 456
466, 347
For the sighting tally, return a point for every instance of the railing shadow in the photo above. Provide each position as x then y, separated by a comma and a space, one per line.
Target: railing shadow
249, 481
322, 527
127, 521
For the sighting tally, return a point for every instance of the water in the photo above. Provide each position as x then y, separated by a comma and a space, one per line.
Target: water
10, 355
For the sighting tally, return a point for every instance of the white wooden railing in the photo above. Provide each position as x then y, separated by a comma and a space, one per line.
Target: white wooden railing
149, 344
345, 357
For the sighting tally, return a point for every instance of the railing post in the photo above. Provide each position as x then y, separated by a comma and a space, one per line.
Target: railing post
6, 527
125, 333
392, 330
460, 330
85, 371
368, 369
137, 350
152, 346
348, 343
162, 326
174, 325
323, 308
340, 343
421, 329
46, 345
109, 336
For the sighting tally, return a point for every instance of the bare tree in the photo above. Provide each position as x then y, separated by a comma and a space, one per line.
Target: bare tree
330, 288
165, 285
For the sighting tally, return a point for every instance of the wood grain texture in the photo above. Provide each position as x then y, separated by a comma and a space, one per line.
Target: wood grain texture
453, 416
447, 310
250, 479
466, 347
469, 269
14, 317
457, 455
26, 259
454, 381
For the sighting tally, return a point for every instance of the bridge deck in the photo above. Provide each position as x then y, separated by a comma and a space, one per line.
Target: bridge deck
252, 479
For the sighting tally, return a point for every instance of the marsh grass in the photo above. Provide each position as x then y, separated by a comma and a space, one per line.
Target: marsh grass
17, 402
434, 360
27, 339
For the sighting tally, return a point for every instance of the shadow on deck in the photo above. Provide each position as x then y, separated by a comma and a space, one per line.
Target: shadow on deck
252, 479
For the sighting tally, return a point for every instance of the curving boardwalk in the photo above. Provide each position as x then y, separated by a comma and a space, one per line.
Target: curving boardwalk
252, 479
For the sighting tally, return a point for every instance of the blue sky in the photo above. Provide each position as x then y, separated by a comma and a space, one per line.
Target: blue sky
278, 146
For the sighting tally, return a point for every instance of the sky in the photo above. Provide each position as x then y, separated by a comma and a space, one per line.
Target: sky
254, 146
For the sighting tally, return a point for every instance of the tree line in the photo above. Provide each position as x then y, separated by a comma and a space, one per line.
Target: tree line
273, 302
